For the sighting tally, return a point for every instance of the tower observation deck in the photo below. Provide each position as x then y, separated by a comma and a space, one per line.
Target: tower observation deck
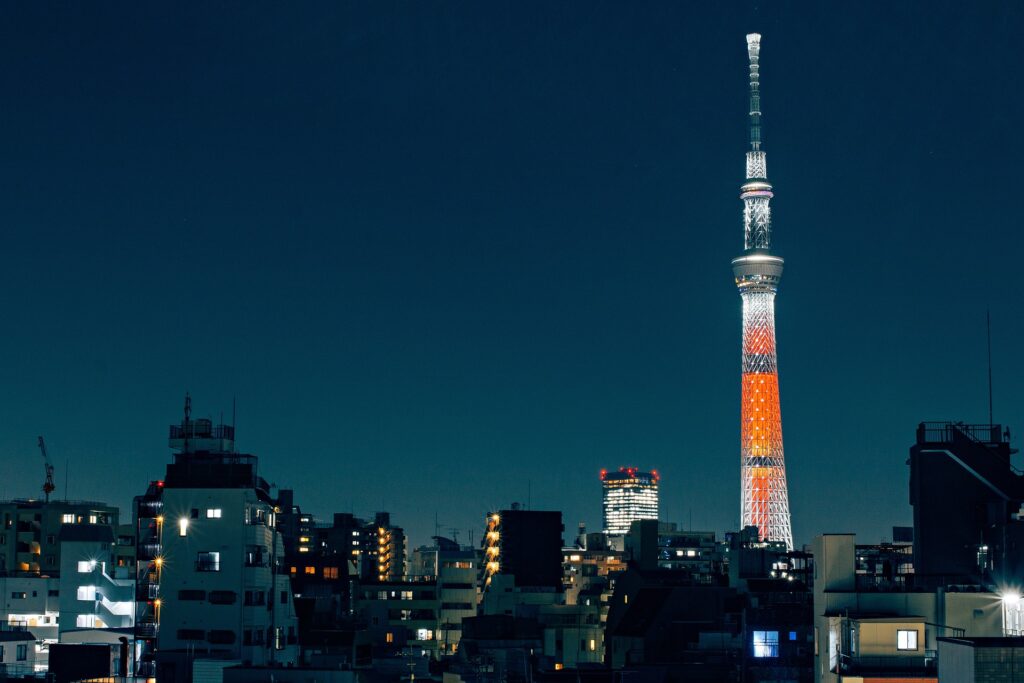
764, 495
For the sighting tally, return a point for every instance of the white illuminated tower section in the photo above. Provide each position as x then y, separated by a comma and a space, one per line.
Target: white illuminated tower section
764, 497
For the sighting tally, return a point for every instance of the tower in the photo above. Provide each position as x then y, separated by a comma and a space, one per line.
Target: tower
764, 497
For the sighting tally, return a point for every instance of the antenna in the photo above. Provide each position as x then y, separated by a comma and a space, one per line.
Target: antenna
754, 54
988, 329
185, 425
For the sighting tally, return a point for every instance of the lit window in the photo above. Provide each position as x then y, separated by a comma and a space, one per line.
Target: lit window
766, 643
182, 526
213, 513
424, 634
389, 637
906, 640
208, 561
593, 645
87, 593
311, 570
407, 595
86, 566
303, 549
92, 519
85, 621
67, 519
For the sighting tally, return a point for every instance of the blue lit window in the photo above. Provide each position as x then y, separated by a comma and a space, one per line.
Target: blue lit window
792, 635
766, 643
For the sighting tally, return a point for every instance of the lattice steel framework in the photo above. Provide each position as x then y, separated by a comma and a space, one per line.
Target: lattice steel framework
764, 497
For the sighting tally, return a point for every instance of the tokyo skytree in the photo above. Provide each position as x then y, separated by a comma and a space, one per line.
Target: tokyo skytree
764, 496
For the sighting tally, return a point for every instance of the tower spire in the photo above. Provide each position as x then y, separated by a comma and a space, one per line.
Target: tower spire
754, 55
764, 498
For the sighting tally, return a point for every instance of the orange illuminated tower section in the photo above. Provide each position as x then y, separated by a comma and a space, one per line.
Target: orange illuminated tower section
764, 497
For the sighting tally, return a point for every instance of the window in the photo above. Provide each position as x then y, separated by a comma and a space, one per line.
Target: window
407, 595
85, 621
86, 566
221, 636
389, 637
208, 561
92, 519
593, 645
311, 570
51, 539
182, 526
87, 592
766, 643
51, 560
424, 634
906, 640
185, 595
194, 514
222, 597
213, 513
67, 519
22, 653
19, 595
330, 572
792, 635
255, 598
284, 597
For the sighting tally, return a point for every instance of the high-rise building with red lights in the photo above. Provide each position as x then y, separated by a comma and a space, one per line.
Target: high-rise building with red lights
764, 496
629, 495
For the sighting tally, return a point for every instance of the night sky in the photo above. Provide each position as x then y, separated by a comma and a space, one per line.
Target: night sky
452, 255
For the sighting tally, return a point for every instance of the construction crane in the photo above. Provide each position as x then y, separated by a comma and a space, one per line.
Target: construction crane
48, 486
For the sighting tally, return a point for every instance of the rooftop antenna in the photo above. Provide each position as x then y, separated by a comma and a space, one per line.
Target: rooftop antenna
988, 329
188, 415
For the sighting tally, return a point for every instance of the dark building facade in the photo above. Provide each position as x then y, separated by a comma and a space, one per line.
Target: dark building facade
530, 546
967, 498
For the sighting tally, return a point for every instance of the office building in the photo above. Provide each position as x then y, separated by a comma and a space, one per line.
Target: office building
628, 495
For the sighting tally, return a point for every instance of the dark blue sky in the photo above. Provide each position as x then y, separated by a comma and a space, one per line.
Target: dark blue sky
446, 253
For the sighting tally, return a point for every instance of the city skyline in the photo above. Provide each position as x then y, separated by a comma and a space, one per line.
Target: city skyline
479, 279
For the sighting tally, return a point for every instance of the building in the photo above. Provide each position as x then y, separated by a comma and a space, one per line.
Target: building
389, 550
662, 545
628, 495
400, 616
764, 495
29, 541
967, 502
589, 569
526, 544
223, 596
866, 632
94, 592
149, 523
982, 660
18, 654
456, 570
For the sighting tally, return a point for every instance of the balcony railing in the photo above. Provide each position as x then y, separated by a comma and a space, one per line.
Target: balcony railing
889, 663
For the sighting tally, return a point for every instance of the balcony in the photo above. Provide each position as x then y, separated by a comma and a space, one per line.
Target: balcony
889, 665
146, 630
